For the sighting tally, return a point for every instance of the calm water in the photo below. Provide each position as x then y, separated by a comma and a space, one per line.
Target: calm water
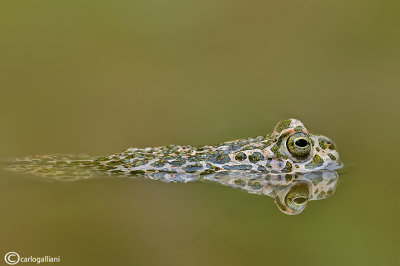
97, 77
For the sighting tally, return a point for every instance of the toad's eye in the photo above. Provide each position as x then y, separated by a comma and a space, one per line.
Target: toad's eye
299, 145
298, 196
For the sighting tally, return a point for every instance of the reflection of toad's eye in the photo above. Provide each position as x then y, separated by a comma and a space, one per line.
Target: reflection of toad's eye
298, 196
299, 145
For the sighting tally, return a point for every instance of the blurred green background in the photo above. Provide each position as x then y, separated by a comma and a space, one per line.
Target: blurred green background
97, 77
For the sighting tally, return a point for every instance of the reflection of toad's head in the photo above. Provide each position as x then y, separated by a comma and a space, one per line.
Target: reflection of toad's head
292, 199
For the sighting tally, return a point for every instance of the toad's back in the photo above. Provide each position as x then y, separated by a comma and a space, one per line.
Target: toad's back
289, 148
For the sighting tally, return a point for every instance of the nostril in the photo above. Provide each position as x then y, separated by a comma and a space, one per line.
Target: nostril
301, 142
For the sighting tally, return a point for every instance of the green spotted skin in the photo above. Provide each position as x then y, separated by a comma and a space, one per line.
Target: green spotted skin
267, 154
263, 154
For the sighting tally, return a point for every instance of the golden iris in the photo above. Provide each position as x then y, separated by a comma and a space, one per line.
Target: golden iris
298, 196
299, 145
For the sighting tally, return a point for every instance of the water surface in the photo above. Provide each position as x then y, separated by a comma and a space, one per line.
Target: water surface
98, 77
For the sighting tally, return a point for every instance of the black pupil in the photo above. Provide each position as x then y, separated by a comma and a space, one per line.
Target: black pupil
299, 200
301, 142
